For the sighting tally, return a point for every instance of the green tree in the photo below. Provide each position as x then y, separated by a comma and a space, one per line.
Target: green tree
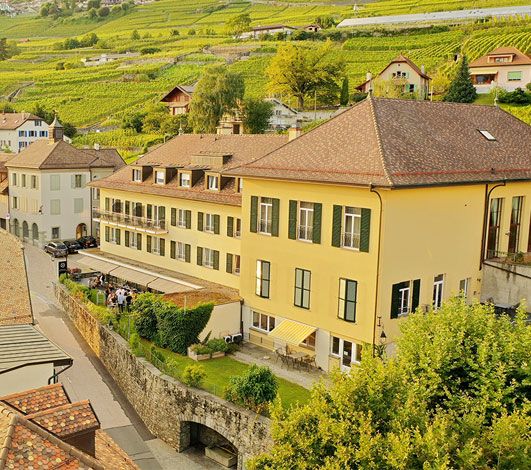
238, 24
461, 89
301, 72
135, 35
255, 389
344, 97
256, 115
218, 91
325, 21
455, 395
133, 120
93, 4
7, 49
103, 12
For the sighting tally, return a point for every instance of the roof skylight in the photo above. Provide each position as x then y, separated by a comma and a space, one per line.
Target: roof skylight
487, 135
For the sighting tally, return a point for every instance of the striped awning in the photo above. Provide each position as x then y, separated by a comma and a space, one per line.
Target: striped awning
131, 275
292, 332
96, 264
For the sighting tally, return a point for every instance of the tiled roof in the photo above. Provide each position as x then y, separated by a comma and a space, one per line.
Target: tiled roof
519, 58
46, 154
179, 152
399, 59
67, 420
15, 305
12, 121
400, 143
36, 400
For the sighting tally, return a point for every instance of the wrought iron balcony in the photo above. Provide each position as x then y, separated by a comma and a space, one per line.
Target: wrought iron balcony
131, 222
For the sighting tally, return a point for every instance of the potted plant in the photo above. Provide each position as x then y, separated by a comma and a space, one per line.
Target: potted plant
218, 346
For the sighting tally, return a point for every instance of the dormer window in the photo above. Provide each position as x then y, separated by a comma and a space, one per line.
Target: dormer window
212, 182
137, 175
184, 180
487, 135
160, 177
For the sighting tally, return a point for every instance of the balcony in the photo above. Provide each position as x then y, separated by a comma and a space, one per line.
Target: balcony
130, 222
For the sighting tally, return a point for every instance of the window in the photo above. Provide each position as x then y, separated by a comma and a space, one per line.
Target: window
14, 179
133, 240
487, 135
212, 182
137, 175
209, 223
438, 283
348, 292
463, 287
352, 221
14, 202
181, 220
181, 251
302, 288
502, 59
349, 352
184, 180
38, 123
263, 279
236, 264
493, 238
55, 182
305, 230
78, 205
56, 232
405, 298
23, 180
309, 342
514, 76
115, 235
160, 177
208, 258
33, 181
55, 207
266, 215
514, 227
263, 322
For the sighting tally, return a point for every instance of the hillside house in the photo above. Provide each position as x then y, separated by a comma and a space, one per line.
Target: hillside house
106, 58
178, 100
18, 130
283, 116
258, 31
416, 80
504, 67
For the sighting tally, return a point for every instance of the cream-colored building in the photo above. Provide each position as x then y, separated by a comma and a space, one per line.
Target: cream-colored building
504, 67
19, 130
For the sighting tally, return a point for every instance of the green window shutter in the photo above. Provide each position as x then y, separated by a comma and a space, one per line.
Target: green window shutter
336, 225
416, 295
199, 256
365, 230
276, 215
149, 211
317, 216
173, 216
126, 238
107, 204
118, 236
172, 249
162, 213
188, 215
254, 214
395, 300
292, 230
107, 233
200, 221
229, 262
230, 226
216, 224
148, 243
127, 207
162, 247
187, 252
139, 241
216, 259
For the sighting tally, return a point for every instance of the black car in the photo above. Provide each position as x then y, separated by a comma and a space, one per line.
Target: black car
73, 246
87, 242
56, 249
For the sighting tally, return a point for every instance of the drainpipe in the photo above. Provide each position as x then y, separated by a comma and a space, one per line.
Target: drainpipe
485, 220
371, 188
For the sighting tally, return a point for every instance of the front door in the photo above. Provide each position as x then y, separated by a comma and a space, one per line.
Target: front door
346, 356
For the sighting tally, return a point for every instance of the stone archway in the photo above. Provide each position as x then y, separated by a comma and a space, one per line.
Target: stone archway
81, 230
25, 230
34, 232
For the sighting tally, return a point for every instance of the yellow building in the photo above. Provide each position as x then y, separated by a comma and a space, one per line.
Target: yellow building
390, 206
176, 208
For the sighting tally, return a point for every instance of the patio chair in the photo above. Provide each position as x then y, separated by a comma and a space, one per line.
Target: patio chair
309, 362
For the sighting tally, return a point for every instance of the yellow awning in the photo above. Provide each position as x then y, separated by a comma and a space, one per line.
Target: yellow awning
131, 275
292, 332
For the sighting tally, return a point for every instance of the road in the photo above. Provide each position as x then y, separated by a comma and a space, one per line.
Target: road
88, 378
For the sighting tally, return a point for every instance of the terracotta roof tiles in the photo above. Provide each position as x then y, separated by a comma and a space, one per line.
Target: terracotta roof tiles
36, 400
519, 58
12, 121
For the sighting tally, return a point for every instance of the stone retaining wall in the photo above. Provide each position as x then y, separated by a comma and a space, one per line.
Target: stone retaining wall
166, 406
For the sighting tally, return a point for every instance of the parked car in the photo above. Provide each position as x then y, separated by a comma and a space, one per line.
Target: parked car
56, 249
87, 242
73, 246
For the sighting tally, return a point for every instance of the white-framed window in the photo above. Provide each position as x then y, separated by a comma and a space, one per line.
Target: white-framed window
438, 286
263, 278
160, 177
404, 298
155, 245
181, 251
464, 285
302, 288
237, 227
181, 218
78, 181
137, 175
236, 264
212, 182
56, 232
514, 76
352, 224
133, 240
209, 223
266, 215
263, 322
348, 299
309, 342
208, 258
305, 228
114, 235
184, 180
349, 351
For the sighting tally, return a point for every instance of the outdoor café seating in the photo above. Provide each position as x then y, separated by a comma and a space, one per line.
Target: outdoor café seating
295, 359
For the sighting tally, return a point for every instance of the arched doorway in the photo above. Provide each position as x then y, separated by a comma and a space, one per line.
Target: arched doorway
34, 232
81, 230
25, 230
16, 228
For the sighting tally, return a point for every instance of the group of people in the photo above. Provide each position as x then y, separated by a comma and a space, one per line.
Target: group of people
122, 298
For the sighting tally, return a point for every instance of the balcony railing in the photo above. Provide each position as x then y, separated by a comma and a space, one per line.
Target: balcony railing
351, 240
142, 224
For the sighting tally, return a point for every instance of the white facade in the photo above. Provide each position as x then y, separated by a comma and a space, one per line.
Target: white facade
508, 77
18, 139
283, 116
255, 33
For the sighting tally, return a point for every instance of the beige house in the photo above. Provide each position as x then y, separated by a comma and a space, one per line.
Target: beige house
504, 67
18, 130
401, 68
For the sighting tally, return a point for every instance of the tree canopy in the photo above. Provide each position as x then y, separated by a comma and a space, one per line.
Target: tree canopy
219, 91
301, 72
239, 23
456, 395
461, 89
256, 115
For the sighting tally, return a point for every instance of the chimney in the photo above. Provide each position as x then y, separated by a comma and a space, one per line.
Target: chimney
55, 130
368, 77
295, 131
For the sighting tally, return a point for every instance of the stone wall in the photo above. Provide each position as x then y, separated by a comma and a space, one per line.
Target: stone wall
166, 405
505, 283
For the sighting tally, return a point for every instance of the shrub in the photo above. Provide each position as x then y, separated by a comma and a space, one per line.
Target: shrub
218, 345
193, 375
254, 389
103, 12
201, 349
146, 307
134, 343
156, 356
149, 50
